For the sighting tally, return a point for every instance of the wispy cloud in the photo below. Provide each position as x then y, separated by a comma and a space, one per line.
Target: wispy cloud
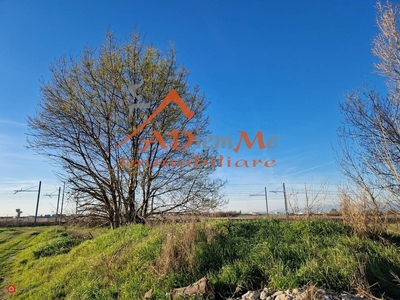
4, 121
309, 169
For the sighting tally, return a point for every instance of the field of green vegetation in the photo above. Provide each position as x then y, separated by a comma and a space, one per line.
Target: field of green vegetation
78, 263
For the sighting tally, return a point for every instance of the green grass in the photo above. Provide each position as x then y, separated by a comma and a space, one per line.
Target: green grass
54, 263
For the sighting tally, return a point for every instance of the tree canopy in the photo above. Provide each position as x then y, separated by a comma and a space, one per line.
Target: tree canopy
370, 135
89, 107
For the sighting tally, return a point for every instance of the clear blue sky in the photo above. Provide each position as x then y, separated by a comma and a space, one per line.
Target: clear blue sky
280, 67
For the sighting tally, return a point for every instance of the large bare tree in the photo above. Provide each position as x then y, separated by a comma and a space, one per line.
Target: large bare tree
370, 135
85, 119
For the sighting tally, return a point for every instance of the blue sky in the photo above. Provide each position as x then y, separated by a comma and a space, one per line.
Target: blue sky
280, 67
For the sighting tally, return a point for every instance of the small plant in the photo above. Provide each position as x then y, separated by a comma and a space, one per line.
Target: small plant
58, 246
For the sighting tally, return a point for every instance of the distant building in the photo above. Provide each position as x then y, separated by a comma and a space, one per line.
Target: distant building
19, 212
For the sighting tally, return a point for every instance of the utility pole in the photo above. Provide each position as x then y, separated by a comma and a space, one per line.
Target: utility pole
38, 197
260, 195
307, 207
58, 202
284, 196
266, 200
62, 204
37, 203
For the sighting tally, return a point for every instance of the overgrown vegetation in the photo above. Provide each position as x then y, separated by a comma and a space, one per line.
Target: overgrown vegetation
369, 137
235, 256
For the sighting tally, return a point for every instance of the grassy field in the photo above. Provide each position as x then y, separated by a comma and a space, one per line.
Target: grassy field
78, 263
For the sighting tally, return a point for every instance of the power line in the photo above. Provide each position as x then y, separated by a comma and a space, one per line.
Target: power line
22, 182
291, 183
26, 190
38, 197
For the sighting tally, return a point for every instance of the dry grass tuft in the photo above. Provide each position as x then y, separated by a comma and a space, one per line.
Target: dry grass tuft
362, 213
309, 292
178, 250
